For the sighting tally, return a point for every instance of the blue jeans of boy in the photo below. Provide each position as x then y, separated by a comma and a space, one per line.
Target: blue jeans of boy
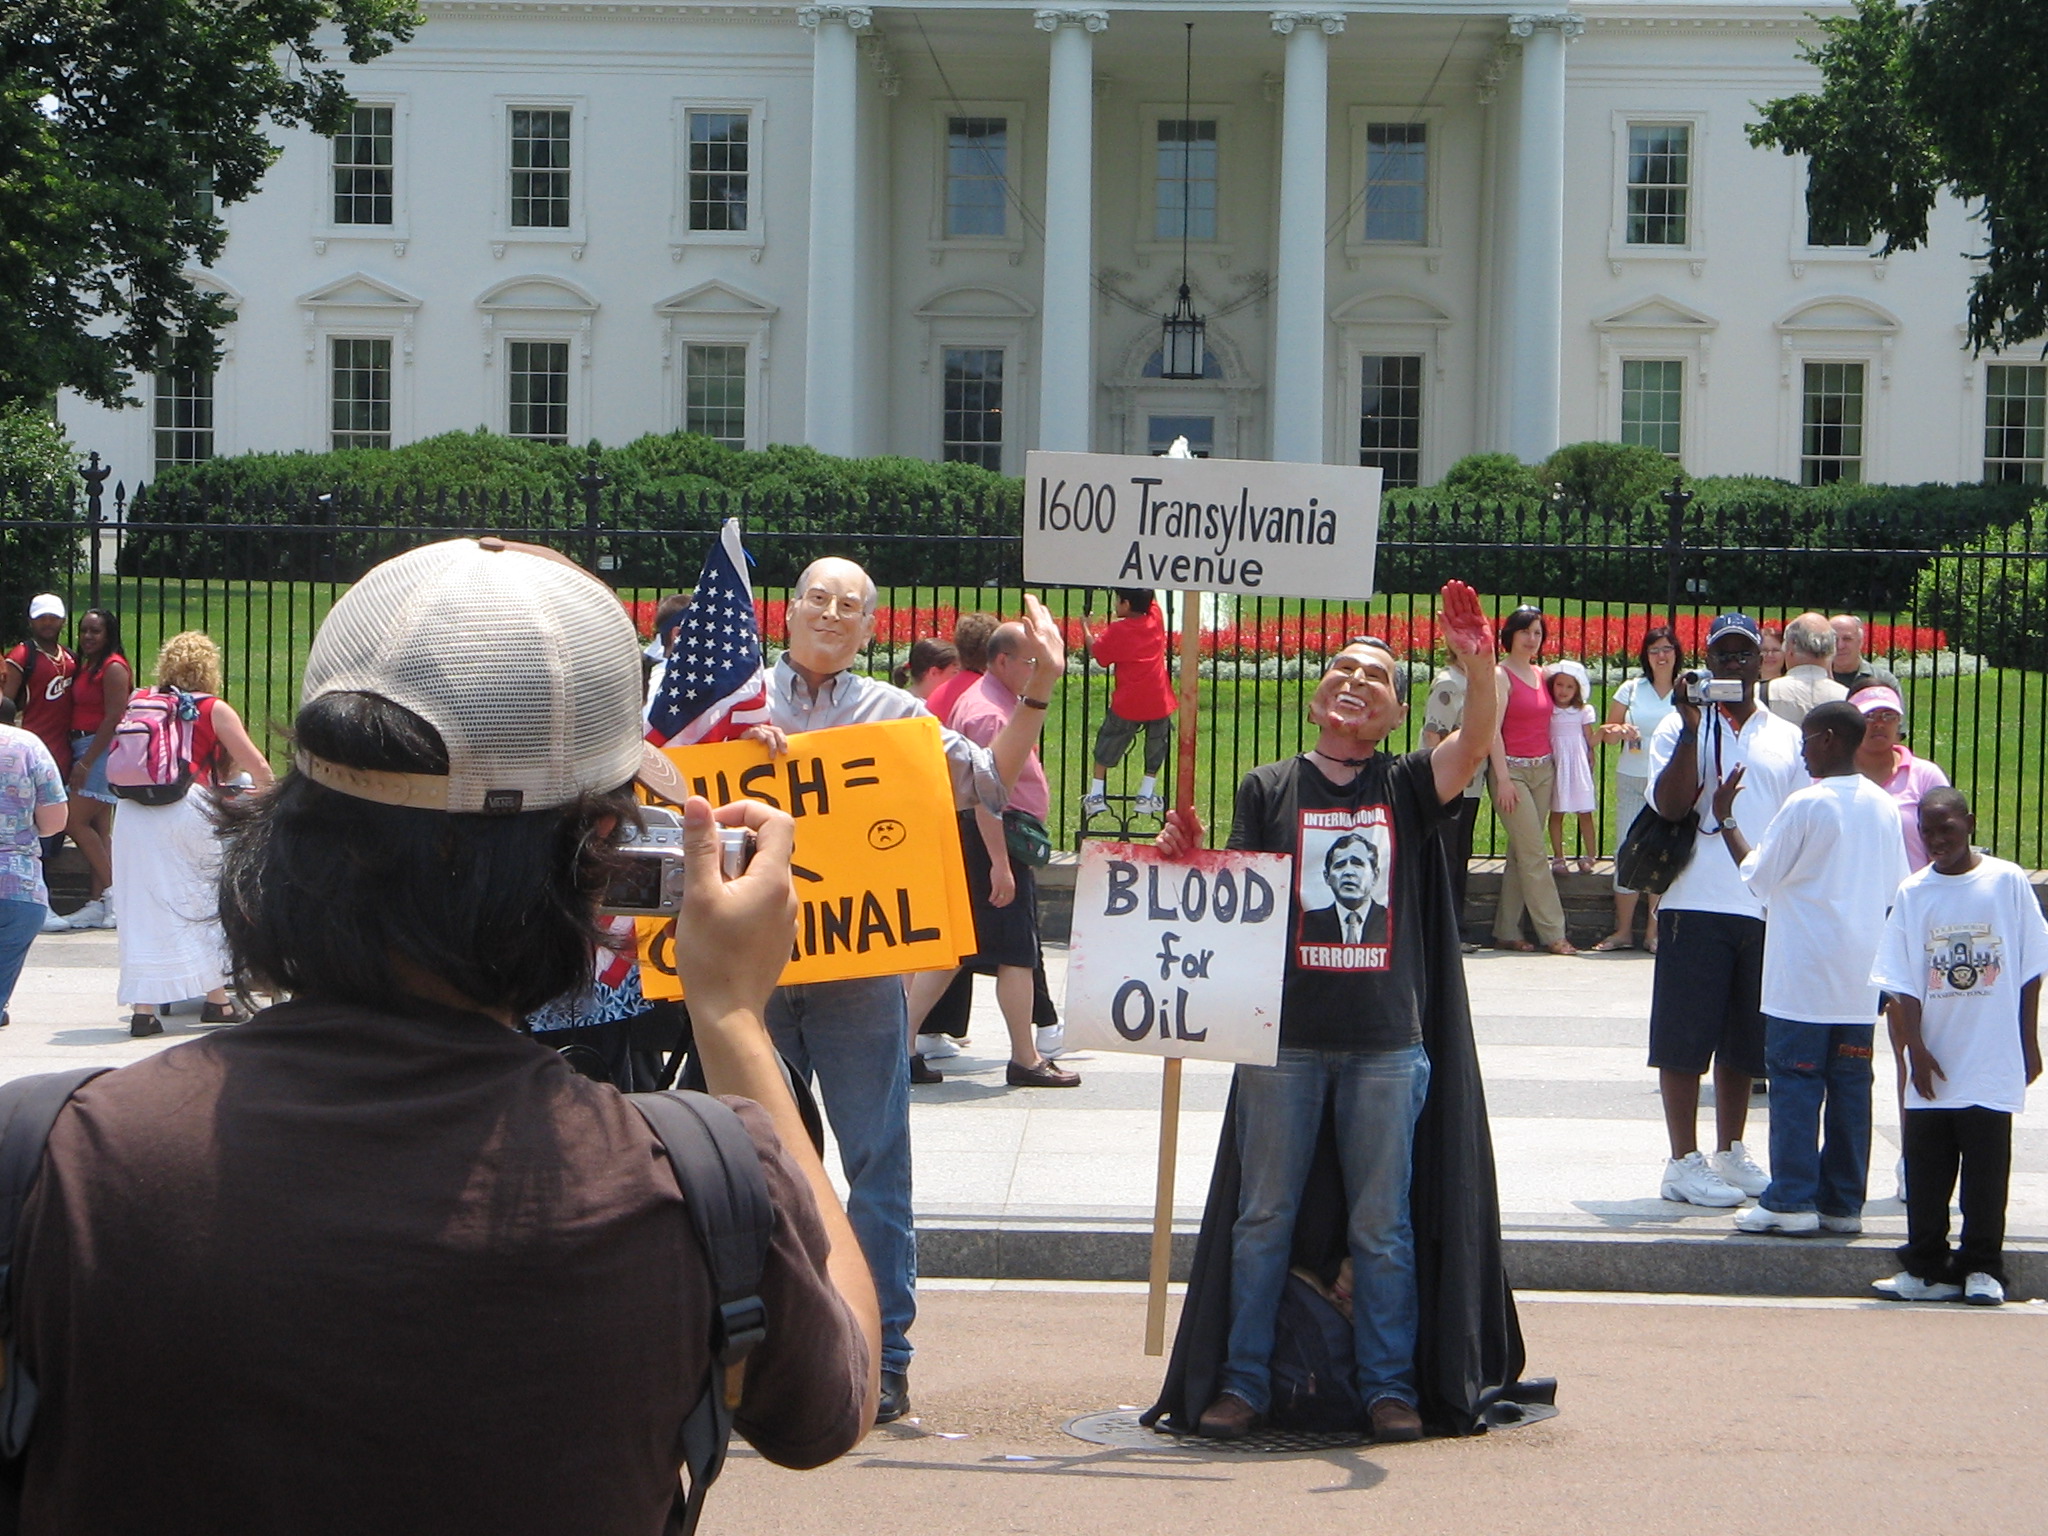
1820, 1116
852, 1038
1378, 1095
20, 922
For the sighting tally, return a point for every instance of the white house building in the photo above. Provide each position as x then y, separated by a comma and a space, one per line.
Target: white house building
950, 228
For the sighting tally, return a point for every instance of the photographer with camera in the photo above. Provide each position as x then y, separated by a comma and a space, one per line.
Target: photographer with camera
408, 1270
1706, 1003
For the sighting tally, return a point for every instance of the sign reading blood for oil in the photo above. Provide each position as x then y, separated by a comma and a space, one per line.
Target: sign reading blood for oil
879, 882
1178, 957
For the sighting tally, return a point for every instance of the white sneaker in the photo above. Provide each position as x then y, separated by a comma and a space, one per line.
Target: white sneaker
1847, 1225
1151, 805
1909, 1287
52, 923
1737, 1167
1786, 1223
937, 1047
1899, 1173
1050, 1039
1094, 805
1691, 1181
1980, 1290
92, 915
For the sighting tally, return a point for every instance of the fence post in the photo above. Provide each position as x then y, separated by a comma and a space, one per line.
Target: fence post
591, 481
95, 477
1675, 502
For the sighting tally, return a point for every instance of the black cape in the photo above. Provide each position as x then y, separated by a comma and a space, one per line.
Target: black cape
1468, 1355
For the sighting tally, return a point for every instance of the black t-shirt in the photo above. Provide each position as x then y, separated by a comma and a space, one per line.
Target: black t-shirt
1355, 962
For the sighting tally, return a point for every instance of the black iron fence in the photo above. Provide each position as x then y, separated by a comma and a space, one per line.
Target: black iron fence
1959, 612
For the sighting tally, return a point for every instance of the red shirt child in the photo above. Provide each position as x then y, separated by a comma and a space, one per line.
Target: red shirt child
1140, 698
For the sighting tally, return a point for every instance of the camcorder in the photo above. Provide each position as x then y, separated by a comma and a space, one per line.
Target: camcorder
649, 879
1702, 688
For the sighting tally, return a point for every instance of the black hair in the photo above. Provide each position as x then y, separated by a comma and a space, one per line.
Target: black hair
1946, 795
924, 656
324, 895
1140, 599
93, 666
1650, 638
1840, 719
1518, 621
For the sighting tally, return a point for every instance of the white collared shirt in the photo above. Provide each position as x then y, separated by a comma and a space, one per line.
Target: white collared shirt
1768, 749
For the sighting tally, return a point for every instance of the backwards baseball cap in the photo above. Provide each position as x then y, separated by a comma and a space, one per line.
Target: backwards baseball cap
524, 663
1734, 624
48, 606
1871, 700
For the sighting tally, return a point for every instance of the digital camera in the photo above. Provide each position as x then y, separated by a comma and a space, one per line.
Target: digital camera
1703, 688
649, 881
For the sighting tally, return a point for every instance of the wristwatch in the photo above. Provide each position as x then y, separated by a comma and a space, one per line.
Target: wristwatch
1726, 826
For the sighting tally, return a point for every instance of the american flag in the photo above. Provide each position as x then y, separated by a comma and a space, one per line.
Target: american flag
712, 686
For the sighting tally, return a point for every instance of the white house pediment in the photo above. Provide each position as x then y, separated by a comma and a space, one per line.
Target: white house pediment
358, 290
538, 293
975, 304
715, 298
1389, 308
1838, 315
1657, 313
207, 282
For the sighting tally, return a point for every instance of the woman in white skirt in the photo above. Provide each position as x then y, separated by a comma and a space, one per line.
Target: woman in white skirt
171, 946
1638, 707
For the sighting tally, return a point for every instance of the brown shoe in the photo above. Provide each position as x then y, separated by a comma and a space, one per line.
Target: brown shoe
222, 1013
1230, 1417
1394, 1420
1044, 1075
922, 1072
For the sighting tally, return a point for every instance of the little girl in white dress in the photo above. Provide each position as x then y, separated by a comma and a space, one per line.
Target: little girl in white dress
1571, 753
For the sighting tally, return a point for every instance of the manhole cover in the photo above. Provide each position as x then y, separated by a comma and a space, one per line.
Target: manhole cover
1123, 1431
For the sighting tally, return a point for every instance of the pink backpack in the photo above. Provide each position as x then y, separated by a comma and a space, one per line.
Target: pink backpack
149, 760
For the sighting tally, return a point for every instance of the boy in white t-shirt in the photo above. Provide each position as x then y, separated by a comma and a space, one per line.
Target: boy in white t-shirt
1962, 957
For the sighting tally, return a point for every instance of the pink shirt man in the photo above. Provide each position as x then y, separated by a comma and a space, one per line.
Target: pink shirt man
980, 715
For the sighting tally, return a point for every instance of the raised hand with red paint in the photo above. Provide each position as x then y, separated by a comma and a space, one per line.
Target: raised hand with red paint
1469, 634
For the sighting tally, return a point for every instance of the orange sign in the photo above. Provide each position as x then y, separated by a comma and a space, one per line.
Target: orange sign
879, 882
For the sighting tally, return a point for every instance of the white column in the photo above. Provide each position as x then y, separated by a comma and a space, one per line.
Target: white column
832, 297
1536, 261
1066, 376
1298, 312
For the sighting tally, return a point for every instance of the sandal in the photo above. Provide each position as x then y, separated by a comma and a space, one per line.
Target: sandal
1561, 947
1560, 867
1585, 866
1519, 946
1614, 941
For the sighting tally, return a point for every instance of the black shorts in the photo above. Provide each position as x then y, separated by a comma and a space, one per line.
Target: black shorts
1706, 1003
1002, 935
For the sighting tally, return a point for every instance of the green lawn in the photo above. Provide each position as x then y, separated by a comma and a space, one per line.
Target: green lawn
1986, 729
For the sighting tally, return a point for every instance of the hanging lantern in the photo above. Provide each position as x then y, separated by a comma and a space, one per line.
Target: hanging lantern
1183, 345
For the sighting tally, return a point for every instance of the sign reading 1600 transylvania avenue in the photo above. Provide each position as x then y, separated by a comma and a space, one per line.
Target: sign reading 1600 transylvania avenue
1209, 525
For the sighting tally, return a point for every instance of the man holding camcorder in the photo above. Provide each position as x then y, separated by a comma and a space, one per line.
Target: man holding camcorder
1706, 1007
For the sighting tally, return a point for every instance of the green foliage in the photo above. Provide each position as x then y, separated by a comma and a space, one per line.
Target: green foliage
1491, 477
1991, 595
1948, 94
38, 478
121, 126
1607, 476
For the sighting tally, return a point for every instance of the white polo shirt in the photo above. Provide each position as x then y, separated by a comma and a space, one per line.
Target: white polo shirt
1768, 749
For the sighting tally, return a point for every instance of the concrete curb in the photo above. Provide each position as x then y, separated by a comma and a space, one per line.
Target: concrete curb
1538, 1258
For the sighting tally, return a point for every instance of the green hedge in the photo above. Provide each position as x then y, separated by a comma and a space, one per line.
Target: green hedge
1991, 594
38, 479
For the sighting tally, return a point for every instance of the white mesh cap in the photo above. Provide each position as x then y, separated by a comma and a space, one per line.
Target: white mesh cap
526, 665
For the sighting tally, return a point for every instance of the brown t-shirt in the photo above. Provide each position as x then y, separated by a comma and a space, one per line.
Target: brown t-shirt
343, 1271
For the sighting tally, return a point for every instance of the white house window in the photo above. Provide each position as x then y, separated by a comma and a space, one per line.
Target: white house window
1659, 183
715, 393
977, 162
2015, 415
1653, 403
1390, 417
537, 381
184, 412
1822, 233
1186, 185
719, 174
1397, 182
972, 430
1831, 424
362, 168
540, 168
360, 394
1162, 431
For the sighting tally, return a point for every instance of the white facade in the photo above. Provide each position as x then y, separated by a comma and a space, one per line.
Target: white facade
1512, 290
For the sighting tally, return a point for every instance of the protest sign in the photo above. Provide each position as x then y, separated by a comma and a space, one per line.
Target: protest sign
1178, 957
1209, 525
879, 882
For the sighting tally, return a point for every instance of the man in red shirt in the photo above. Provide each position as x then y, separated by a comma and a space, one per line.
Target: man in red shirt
1141, 698
37, 675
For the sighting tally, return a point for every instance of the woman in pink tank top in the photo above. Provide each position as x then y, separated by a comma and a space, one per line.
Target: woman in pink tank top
1522, 777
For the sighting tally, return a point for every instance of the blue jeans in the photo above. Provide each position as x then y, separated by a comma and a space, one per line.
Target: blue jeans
1378, 1095
852, 1039
20, 922
1820, 1078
